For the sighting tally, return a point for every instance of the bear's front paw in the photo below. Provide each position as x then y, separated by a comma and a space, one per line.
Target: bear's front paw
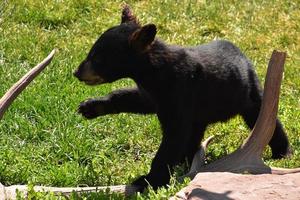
141, 183
153, 180
91, 108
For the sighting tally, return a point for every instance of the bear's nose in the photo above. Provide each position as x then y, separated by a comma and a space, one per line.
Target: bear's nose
76, 73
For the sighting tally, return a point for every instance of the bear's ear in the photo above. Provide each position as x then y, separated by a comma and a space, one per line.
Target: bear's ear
143, 37
127, 15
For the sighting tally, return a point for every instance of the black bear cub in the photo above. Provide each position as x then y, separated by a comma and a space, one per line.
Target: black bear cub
187, 88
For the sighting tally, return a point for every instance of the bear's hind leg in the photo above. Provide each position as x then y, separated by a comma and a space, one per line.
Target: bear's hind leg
194, 142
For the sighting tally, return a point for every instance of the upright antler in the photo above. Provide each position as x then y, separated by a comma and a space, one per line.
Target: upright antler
19, 86
248, 158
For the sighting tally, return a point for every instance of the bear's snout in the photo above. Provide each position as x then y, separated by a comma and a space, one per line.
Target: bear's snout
86, 74
76, 74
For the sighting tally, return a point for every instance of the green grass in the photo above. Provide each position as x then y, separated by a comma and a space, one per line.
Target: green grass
43, 140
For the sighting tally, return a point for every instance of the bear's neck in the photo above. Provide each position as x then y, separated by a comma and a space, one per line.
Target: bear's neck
156, 64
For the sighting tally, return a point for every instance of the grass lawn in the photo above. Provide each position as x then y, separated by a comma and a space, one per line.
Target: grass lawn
43, 140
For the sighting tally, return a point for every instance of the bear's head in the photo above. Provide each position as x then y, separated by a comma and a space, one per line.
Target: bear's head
113, 54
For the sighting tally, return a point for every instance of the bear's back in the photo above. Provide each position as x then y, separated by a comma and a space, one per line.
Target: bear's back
225, 78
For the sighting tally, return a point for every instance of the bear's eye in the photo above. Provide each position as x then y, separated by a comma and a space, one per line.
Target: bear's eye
98, 60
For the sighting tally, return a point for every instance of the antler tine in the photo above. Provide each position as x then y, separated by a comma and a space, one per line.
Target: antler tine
19, 86
266, 122
199, 158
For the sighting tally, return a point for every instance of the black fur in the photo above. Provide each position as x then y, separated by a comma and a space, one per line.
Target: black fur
187, 88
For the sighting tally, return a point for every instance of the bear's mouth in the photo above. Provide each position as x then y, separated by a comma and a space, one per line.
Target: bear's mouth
94, 82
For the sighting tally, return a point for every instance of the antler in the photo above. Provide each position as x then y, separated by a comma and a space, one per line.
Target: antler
199, 157
19, 86
11, 192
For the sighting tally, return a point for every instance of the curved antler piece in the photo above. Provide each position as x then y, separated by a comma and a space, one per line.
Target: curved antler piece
19, 86
266, 121
199, 158
11, 192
